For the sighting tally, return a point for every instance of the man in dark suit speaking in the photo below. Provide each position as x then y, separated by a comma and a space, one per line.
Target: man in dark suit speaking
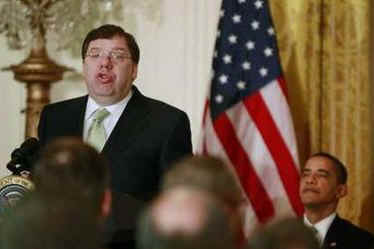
138, 135
323, 183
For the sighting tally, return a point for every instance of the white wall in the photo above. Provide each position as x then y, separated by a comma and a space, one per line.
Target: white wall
174, 67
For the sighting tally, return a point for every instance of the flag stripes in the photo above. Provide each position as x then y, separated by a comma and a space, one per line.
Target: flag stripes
246, 119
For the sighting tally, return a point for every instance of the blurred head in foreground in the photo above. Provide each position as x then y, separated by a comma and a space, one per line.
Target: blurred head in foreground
288, 233
71, 170
185, 218
213, 175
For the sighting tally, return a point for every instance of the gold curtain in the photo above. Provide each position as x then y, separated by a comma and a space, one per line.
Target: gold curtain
325, 52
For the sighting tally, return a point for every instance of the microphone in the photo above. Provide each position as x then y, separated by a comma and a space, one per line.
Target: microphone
23, 158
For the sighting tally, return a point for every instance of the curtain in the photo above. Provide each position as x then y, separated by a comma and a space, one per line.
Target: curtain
325, 52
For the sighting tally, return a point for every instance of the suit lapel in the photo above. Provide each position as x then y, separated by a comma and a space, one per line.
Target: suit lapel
331, 240
78, 112
131, 121
75, 111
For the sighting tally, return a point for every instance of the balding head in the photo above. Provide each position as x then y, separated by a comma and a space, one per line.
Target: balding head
185, 218
71, 169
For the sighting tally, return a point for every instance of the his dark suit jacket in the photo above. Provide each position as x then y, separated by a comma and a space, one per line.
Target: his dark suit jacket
148, 136
344, 235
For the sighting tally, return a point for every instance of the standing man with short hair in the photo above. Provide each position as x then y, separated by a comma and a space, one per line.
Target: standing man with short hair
138, 135
323, 183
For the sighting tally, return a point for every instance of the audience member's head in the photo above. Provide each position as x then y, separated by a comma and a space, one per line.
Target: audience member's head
69, 204
38, 223
71, 170
185, 218
205, 172
289, 233
322, 184
213, 175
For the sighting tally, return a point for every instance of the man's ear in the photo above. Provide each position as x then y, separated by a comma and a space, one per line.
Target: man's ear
341, 191
106, 205
134, 72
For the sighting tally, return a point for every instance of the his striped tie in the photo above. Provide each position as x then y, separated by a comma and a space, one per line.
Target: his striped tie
96, 133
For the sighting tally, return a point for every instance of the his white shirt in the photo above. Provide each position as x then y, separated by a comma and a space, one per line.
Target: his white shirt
322, 226
110, 121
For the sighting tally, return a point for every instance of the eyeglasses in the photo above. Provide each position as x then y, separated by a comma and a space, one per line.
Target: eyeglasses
115, 55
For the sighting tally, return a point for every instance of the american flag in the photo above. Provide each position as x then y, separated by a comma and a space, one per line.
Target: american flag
247, 119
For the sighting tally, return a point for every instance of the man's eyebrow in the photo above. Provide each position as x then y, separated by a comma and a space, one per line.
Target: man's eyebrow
323, 171
119, 49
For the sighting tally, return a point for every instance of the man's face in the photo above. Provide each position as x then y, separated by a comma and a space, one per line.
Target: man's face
319, 184
108, 70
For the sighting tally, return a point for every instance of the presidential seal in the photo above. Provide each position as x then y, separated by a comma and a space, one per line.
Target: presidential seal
12, 189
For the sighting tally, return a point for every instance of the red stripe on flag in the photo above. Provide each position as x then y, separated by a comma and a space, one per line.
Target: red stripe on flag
249, 180
278, 149
283, 86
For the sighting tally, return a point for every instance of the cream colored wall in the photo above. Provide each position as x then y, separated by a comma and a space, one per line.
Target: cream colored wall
174, 67
12, 98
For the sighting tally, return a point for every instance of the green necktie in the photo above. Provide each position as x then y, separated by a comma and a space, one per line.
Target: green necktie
96, 133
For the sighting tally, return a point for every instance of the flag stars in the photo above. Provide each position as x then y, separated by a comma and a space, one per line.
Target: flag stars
263, 72
236, 18
223, 79
219, 98
241, 85
250, 45
268, 52
259, 4
246, 65
271, 31
241, 1
233, 39
255, 25
227, 59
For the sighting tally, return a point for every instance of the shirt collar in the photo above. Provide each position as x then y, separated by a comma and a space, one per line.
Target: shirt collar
92, 106
323, 225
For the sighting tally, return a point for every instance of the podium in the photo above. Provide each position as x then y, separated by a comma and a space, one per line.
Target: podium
12, 189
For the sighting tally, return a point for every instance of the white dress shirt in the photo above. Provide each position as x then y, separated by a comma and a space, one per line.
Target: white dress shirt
322, 226
110, 121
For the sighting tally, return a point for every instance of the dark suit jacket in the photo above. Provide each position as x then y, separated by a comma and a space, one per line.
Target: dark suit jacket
148, 136
344, 235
